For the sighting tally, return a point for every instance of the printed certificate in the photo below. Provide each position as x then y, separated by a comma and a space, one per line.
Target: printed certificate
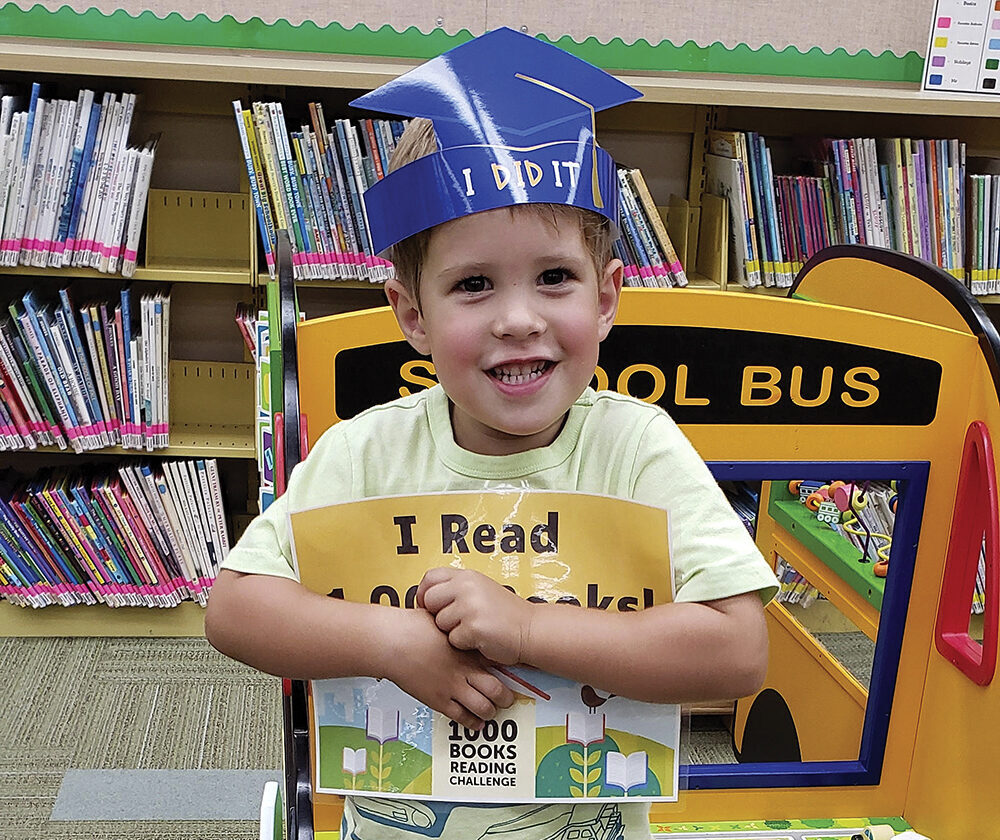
561, 741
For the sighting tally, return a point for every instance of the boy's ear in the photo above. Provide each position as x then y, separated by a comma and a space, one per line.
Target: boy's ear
608, 293
407, 312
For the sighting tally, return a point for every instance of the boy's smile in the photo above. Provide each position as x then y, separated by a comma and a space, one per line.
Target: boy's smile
512, 311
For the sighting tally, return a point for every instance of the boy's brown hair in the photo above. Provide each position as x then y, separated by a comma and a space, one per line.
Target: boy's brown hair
419, 140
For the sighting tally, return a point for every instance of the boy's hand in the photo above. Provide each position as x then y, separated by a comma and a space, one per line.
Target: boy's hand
476, 613
456, 683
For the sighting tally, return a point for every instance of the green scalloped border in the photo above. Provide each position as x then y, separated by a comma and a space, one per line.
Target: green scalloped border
334, 39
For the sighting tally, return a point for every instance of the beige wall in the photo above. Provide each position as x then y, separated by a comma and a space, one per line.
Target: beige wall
895, 25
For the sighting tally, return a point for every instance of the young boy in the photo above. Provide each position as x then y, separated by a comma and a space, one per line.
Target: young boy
510, 292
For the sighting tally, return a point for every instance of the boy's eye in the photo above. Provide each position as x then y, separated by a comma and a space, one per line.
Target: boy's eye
554, 276
473, 284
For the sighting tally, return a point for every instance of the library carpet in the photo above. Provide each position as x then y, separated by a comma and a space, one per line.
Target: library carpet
108, 738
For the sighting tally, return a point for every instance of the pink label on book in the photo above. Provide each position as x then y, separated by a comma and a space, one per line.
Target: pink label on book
131, 255
676, 267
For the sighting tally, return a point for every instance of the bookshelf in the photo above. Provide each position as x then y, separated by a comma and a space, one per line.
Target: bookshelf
200, 226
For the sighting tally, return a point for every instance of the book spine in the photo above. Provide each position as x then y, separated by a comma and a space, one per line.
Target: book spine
52, 168
26, 164
89, 209
116, 179
658, 274
218, 507
148, 588
117, 559
275, 187
757, 191
85, 112
316, 252
88, 378
69, 371
89, 255
373, 263
297, 221
123, 198
32, 329
920, 184
258, 190
44, 120
782, 269
18, 342
183, 536
16, 378
324, 184
100, 584
678, 277
338, 165
179, 496
373, 149
83, 178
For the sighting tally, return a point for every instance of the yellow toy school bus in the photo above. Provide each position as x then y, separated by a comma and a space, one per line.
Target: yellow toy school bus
878, 368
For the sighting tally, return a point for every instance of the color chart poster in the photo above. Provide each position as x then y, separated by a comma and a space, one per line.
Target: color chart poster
964, 51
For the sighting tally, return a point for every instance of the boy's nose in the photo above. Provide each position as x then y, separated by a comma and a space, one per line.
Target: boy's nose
517, 318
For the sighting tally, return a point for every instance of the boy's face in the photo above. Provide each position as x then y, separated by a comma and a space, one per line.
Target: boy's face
512, 311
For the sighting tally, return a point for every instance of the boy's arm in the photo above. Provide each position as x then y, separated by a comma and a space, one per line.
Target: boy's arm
277, 625
672, 653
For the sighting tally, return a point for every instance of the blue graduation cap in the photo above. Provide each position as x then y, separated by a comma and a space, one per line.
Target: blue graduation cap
514, 120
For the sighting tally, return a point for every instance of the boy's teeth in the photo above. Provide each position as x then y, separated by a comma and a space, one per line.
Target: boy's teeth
517, 374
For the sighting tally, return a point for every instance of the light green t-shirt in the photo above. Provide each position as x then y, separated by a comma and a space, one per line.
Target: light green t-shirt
611, 445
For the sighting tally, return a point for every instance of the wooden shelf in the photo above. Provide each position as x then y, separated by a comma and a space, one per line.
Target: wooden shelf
841, 556
263, 279
186, 441
223, 273
184, 620
152, 61
211, 411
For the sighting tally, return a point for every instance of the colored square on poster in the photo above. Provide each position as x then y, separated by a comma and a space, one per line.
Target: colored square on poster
989, 84
995, 43
935, 79
941, 43
996, 24
937, 61
944, 22
993, 63
996, 6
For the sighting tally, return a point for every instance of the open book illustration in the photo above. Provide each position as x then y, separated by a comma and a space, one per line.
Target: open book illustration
626, 772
